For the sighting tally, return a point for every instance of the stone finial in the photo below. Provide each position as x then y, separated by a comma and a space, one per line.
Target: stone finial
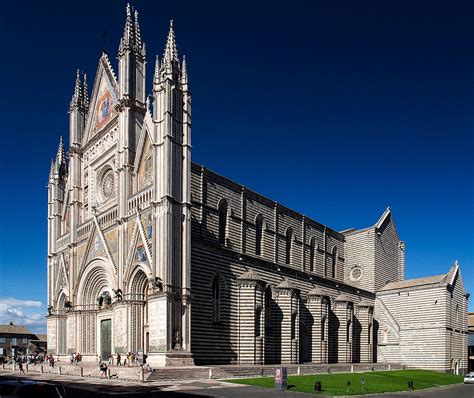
85, 93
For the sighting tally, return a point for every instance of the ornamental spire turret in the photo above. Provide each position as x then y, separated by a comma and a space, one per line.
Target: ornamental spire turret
85, 93
127, 39
137, 36
170, 57
184, 73
156, 76
76, 96
60, 158
52, 170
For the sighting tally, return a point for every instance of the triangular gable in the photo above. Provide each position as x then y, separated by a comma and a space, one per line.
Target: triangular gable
143, 166
103, 101
139, 249
97, 246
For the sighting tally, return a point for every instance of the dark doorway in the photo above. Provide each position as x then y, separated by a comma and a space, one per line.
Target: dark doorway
105, 339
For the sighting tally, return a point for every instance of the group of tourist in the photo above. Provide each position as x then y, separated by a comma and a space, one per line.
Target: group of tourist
75, 358
131, 359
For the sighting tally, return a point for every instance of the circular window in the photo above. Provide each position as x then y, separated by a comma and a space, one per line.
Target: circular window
356, 273
107, 185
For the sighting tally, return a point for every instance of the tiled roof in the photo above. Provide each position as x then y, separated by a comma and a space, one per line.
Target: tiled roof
41, 337
429, 280
470, 320
14, 329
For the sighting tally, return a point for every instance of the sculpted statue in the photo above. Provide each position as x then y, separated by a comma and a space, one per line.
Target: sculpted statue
156, 283
118, 294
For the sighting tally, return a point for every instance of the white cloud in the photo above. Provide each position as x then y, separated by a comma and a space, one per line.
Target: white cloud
30, 313
13, 302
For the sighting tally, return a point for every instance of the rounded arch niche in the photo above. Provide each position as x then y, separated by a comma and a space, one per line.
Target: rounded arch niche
96, 279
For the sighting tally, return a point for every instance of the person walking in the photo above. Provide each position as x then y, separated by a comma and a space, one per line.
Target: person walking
118, 359
20, 367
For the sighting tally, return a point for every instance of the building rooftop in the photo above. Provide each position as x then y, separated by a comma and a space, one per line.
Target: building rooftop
444, 279
470, 321
14, 329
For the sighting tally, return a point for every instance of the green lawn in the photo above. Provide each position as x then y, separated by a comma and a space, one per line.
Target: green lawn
375, 382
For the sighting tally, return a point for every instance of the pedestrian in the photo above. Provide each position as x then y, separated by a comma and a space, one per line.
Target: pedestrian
103, 370
118, 359
51, 361
20, 366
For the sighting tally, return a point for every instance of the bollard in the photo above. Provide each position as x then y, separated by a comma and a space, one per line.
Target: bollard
142, 375
59, 370
261, 372
352, 368
81, 371
108, 373
14, 366
389, 367
317, 386
211, 373
298, 370
41, 368
3, 365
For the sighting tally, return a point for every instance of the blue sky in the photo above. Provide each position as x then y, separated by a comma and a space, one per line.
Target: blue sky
336, 109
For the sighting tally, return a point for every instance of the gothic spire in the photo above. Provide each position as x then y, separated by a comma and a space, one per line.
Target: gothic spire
128, 30
60, 157
137, 36
184, 72
170, 57
52, 169
76, 96
85, 93
156, 77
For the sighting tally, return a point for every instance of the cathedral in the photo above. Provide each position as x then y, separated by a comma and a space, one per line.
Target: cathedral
149, 252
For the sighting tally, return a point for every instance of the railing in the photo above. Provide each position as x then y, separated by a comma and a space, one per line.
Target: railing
63, 241
140, 201
107, 219
84, 229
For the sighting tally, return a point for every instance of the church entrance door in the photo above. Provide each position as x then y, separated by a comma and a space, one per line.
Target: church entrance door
105, 339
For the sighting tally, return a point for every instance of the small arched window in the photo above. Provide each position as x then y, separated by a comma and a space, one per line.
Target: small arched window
289, 243
216, 299
293, 326
258, 322
268, 300
312, 253
334, 262
323, 329
223, 211
258, 235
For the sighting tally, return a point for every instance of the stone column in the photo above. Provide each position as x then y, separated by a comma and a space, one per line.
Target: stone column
318, 308
365, 314
287, 299
344, 311
251, 318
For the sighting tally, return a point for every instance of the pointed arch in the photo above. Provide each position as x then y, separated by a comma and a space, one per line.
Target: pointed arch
223, 213
259, 230
312, 253
334, 262
288, 245
217, 289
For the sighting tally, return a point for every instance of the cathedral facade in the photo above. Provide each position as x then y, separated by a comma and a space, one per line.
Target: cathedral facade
150, 252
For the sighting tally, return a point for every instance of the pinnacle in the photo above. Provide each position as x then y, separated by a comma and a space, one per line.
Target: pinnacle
171, 52
138, 39
60, 157
184, 71
85, 93
156, 78
128, 30
76, 96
